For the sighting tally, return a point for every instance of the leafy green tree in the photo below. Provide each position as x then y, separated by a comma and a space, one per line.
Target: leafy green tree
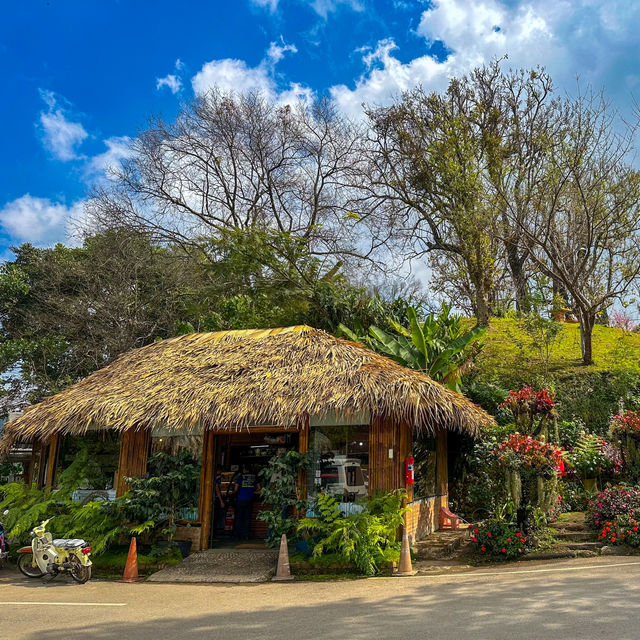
65, 312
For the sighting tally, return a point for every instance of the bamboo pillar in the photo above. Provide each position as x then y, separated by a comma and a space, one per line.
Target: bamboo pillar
442, 463
207, 480
40, 450
34, 466
134, 453
52, 459
303, 447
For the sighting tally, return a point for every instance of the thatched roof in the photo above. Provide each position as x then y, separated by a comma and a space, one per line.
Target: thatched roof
233, 379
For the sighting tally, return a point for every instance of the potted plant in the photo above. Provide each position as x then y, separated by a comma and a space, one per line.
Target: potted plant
589, 458
155, 501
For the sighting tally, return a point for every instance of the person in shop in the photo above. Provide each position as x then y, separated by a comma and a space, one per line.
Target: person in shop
246, 487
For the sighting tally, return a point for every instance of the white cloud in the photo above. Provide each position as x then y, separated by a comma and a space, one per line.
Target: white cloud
39, 220
231, 74
379, 85
172, 81
272, 5
324, 7
568, 37
118, 148
59, 135
321, 7
276, 51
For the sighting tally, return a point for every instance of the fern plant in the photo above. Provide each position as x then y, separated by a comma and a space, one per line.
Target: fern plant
588, 456
99, 522
365, 538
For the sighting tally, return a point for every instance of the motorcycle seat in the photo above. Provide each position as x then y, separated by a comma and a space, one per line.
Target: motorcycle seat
69, 543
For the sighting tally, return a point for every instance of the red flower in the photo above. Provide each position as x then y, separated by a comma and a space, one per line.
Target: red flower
482, 549
518, 535
489, 534
504, 550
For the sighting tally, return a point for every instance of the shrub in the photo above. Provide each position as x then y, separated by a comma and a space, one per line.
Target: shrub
574, 497
531, 409
280, 490
363, 538
529, 456
623, 529
569, 432
591, 455
626, 424
612, 502
499, 539
154, 501
625, 428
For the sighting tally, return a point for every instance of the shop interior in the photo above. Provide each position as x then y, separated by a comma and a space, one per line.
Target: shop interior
253, 449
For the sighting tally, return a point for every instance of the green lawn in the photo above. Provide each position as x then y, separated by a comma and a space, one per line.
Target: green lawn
507, 347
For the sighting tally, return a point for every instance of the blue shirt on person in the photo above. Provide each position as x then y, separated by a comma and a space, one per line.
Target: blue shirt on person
247, 483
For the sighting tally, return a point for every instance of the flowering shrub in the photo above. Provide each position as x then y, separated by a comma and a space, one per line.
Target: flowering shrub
526, 454
499, 539
622, 321
529, 401
530, 408
574, 497
613, 502
623, 529
626, 424
625, 428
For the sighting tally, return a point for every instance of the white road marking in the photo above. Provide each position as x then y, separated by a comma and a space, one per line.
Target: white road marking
67, 604
519, 571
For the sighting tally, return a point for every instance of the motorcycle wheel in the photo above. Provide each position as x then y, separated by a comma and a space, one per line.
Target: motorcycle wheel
79, 572
26, 568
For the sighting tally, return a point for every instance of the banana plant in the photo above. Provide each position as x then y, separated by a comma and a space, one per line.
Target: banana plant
437, 345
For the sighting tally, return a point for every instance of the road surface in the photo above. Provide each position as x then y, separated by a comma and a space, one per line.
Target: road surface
574, 599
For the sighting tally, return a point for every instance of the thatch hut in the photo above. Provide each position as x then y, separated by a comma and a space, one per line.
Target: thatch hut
230, 385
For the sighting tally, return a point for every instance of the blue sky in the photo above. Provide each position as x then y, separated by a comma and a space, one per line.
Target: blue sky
82, 76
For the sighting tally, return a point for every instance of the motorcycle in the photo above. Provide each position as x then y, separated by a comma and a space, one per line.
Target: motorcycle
4, 545
48, 556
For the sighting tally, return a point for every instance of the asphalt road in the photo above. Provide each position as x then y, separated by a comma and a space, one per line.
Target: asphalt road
573, 599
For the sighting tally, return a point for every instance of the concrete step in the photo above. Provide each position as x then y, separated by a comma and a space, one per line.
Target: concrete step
584, 546
569, 526
575, 536
442, 545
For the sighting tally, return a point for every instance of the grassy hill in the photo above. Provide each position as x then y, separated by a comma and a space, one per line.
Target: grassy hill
507, 345
509, 358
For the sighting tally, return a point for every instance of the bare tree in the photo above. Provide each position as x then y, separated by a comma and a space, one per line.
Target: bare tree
234, 166
583, 228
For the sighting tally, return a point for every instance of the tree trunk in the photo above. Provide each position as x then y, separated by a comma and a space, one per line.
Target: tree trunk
482, 306
587, 320
516, 268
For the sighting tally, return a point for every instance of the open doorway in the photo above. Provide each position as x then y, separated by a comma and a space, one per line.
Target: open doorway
239, 457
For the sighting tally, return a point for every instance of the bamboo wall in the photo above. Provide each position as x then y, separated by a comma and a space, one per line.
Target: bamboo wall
134, 453
385, 473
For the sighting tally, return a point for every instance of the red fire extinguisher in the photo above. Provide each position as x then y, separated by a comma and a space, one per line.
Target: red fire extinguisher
408, 469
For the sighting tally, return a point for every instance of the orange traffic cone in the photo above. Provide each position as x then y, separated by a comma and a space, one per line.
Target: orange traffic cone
405, 568
131, 568
283, 571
